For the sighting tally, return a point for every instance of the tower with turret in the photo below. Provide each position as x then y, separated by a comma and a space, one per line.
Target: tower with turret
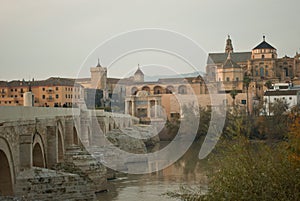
98, 76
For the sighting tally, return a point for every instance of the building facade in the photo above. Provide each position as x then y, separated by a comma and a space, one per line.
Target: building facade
52, 92
261, 64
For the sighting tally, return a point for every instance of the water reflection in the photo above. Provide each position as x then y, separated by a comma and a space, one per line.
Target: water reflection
149, 187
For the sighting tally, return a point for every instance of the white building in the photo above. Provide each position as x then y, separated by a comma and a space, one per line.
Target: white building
290, 96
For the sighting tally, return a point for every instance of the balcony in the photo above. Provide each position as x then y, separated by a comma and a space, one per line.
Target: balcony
50, 99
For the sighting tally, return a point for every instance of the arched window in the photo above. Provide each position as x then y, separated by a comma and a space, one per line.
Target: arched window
261, 72
182, 89
169, 89
134, 90
146, 88
158, 90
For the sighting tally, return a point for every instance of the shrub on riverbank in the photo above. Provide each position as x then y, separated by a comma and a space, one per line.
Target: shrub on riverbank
247, 170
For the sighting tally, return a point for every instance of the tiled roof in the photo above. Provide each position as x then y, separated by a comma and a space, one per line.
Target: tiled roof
55, 81
238, 57
229, 63
264, 45
3, 83
52, 81
281, 93
139, 71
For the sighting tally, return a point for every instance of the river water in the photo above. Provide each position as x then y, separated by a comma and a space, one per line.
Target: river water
150, 187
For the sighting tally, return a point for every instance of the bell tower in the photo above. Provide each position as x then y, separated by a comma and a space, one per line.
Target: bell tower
98, 76
229, 47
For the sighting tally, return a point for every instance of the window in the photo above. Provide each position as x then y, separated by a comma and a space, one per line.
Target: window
21, 90
11, 90
43, 96
182, 89
261, 71
267, 72
9, 102
16, 96
286, 71
66, 96
237, 79
43, 89
21, 95
266, 66
56, 96
262, 56
16, 89
290, 98
17, 101
56, 88
256, 73
227, 79
69, 96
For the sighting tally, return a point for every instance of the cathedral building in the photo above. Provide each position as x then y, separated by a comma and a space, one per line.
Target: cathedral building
262, 64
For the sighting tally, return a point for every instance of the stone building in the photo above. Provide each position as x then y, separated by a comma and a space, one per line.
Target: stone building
52, 92
261, 64
159, 100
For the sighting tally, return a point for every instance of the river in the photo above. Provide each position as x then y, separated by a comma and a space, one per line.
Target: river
150, 187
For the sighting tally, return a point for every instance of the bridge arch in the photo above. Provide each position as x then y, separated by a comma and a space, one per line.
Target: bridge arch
38, 153
75, 136
7, 173
60, 142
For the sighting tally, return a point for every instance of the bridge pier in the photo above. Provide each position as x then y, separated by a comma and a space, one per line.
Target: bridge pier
69, 137
52, 148
26, 151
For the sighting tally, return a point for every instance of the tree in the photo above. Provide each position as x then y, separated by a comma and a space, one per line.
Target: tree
247, 81
233, 94
268, 84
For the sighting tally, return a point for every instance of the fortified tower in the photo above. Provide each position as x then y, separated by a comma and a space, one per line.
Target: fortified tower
98, 77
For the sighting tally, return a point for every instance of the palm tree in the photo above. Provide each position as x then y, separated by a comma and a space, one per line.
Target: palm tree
247, 81
233, 94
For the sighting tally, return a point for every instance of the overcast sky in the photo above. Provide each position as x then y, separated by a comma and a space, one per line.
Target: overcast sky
39, 39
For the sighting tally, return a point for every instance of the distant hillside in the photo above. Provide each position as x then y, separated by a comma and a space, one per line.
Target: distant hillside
156, 77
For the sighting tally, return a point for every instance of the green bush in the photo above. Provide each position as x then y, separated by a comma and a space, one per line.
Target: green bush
248, 171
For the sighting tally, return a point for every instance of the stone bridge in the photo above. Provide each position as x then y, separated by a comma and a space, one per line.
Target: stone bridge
34, 141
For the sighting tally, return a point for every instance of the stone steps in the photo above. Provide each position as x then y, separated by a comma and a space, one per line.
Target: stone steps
79, 161
44, 184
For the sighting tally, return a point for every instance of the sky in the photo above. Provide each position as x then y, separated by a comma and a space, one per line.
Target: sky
61, 38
